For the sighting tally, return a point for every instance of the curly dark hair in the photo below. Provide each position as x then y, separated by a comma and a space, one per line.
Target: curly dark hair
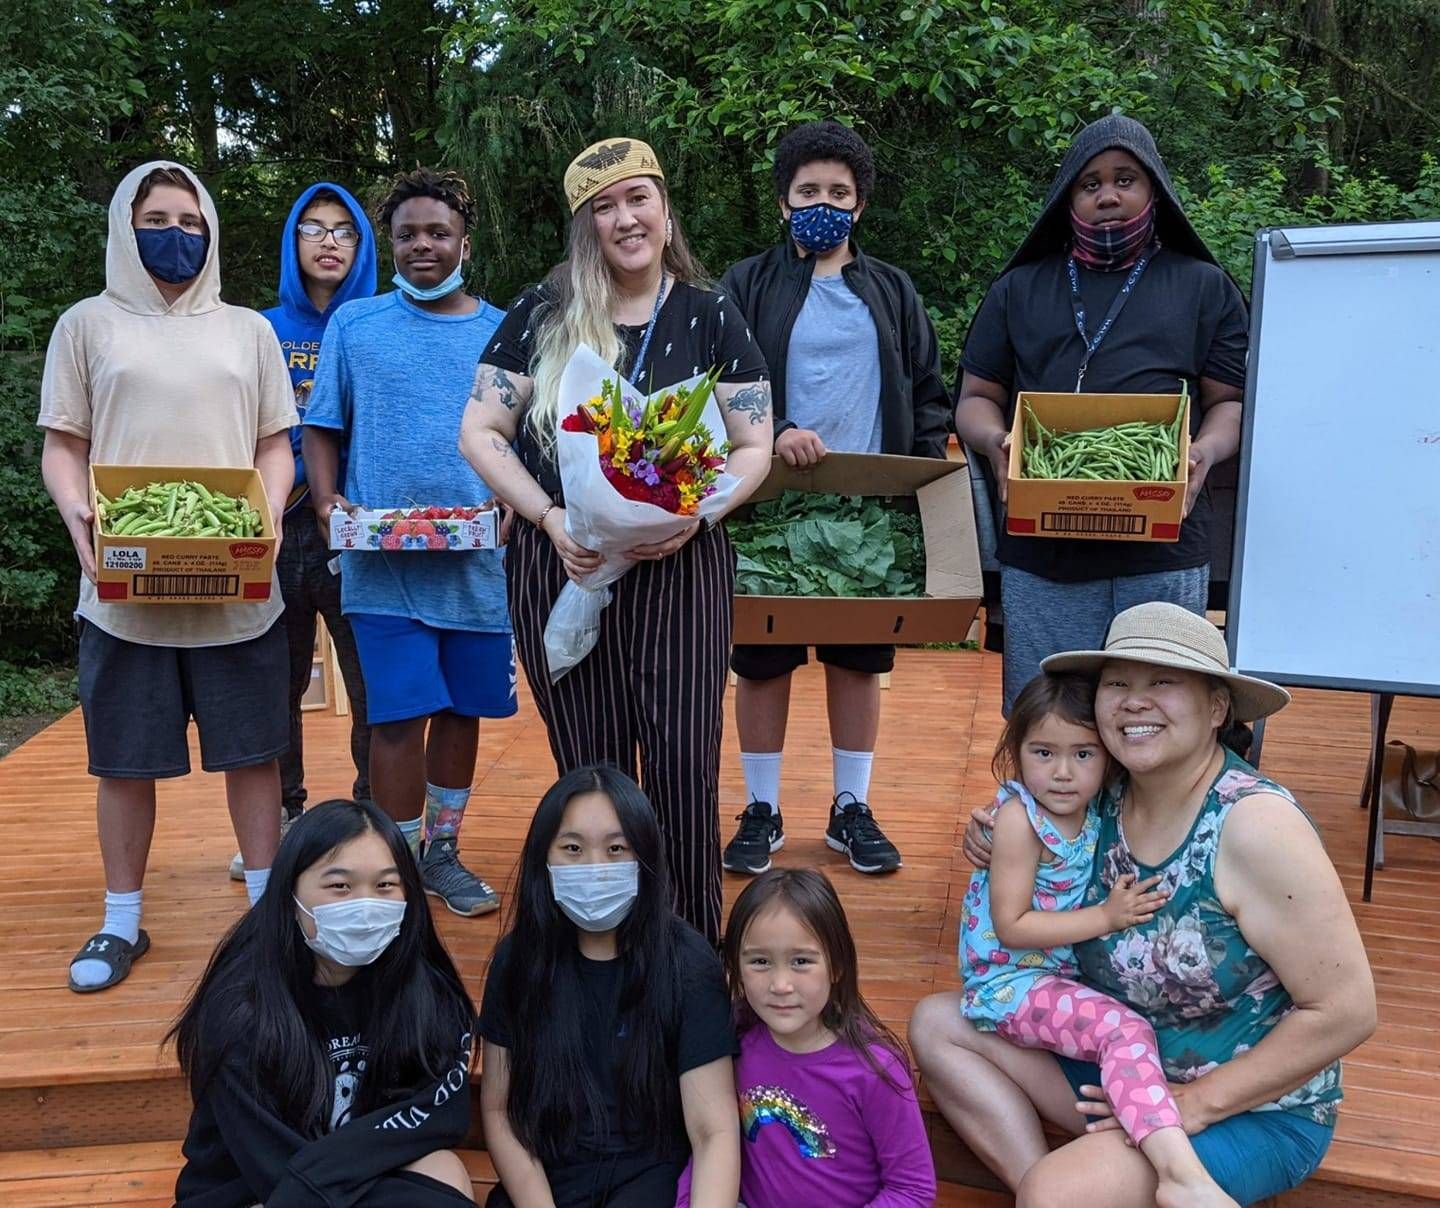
824, 140
445, 185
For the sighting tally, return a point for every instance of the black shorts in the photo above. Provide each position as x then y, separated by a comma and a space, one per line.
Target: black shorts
138, 701
770, 662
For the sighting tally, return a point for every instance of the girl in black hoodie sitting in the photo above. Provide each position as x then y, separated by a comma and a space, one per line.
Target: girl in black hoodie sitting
328, 1044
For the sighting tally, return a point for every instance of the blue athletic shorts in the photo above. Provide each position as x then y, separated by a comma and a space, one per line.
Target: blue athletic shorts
412, 669
1253, 1155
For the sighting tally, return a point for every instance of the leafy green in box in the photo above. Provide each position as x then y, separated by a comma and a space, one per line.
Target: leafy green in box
808, 544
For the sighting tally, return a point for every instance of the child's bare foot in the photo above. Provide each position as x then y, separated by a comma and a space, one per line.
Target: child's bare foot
1201, 1192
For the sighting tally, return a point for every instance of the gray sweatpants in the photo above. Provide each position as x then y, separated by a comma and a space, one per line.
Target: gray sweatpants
1043, 617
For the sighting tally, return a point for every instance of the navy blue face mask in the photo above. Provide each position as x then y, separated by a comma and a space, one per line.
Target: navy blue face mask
170, 253
822, 227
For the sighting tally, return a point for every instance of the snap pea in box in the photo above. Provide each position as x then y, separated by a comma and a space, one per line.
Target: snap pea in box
941, 493
1088, 508
401, 530
184, 570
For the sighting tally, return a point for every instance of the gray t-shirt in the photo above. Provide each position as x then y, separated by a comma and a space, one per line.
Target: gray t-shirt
832, 368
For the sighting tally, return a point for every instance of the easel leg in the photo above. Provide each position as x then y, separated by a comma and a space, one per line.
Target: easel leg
1257, 742
1380, 705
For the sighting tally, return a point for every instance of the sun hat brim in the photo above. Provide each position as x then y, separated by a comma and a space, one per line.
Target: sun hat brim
1251, 698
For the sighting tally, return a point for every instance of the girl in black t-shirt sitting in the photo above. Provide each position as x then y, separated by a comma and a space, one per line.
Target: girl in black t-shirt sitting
328, 1044
606, 1021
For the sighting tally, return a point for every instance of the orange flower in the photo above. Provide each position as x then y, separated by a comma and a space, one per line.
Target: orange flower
607, 443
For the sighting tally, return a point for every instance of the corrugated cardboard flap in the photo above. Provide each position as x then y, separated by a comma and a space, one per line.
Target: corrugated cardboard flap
952, 553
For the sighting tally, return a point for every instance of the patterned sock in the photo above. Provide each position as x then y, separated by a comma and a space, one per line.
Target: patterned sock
412, 832
255, 882
444, 811
852, 772
762, 777
122, 918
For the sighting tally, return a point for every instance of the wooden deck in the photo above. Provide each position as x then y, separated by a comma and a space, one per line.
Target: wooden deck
81, 1072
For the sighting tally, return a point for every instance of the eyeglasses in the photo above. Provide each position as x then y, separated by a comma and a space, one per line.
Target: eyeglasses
314, 232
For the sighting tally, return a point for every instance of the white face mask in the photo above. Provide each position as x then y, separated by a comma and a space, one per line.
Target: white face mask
354, 932
595, 897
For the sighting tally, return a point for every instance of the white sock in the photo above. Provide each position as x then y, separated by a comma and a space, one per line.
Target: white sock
852, 772
412, 831
255, 882
762, 778
122, 918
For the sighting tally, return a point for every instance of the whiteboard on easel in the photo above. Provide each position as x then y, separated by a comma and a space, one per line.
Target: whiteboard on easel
1336, 577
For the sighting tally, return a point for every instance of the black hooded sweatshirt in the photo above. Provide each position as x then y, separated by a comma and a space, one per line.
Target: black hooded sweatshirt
1185, 318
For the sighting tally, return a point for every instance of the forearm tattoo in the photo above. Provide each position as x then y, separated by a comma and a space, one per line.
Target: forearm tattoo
500, 446
753, 400
488, 377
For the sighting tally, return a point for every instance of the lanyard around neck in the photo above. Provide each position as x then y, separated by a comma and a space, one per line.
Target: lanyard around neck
1077, 303
649, 331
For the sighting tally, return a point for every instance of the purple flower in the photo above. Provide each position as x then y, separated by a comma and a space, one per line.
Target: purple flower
646, 473
636, 415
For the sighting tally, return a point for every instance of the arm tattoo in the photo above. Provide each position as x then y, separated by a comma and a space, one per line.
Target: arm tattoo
753, 400
500, 446
488, 377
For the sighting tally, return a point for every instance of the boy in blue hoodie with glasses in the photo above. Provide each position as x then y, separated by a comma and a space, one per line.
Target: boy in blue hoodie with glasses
327, 258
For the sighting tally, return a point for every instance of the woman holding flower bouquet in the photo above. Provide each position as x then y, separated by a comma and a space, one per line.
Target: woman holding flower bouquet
653, 685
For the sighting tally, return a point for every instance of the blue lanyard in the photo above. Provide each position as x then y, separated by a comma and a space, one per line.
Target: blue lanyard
649, 331
1093, 342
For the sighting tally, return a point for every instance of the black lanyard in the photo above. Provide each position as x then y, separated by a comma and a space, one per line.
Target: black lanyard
1093, 342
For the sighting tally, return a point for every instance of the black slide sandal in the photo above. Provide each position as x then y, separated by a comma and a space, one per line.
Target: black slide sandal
111, 950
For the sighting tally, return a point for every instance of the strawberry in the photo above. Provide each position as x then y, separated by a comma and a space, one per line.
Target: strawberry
416, 514
391, 541
434, 513
436, 541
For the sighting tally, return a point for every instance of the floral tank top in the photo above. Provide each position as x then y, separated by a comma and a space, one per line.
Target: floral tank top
1189, 971
996, 979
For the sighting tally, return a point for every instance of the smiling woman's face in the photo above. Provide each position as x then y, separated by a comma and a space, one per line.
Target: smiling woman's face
1112, 187
1150, 717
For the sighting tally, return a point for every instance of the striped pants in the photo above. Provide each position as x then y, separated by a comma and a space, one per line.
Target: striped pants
654, 684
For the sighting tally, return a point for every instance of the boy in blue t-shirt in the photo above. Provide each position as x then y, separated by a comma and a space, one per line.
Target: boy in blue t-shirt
432, 628
327, 258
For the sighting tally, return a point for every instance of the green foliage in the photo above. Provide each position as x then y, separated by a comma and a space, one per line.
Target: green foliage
805, 544
26, 692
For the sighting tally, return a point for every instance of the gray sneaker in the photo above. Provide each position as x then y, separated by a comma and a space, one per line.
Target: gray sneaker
446, 878
237, 864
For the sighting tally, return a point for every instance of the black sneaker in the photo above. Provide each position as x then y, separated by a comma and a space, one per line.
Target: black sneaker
761, 832
854, 831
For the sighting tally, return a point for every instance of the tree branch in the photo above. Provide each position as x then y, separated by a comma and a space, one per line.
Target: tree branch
1368, 73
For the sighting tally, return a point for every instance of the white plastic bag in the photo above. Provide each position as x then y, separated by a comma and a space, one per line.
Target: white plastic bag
599, 518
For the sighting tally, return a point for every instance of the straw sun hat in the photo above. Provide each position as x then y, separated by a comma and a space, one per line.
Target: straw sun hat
1166, 635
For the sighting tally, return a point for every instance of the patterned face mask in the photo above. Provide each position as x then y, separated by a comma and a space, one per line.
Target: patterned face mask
1108, 248
822, 227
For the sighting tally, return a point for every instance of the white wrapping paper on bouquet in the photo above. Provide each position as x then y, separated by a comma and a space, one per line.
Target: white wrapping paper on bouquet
599, 518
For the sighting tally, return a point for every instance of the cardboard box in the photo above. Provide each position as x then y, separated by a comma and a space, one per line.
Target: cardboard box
941, 490
1095, 509
184, 570
378, 529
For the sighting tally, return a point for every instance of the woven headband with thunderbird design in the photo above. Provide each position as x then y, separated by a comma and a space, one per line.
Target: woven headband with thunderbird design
600, 165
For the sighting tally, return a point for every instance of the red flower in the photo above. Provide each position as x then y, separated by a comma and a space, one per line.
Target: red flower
580, 421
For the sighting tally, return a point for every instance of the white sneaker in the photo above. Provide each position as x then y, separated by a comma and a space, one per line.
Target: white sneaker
237, 864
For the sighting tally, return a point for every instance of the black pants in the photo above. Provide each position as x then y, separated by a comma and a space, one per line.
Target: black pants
655, 683
308, 587
618, 1182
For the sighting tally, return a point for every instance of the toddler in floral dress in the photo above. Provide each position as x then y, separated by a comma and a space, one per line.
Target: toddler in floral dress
1022, 916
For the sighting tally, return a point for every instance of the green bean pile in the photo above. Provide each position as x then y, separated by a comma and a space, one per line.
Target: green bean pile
176, 509
1131, 452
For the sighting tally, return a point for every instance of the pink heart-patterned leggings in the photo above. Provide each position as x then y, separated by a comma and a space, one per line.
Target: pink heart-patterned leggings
1062, 1016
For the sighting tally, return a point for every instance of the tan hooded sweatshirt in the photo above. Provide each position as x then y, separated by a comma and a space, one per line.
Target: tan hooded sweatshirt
197, 383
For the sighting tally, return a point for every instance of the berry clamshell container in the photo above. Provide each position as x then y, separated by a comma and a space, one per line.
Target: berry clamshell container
380, 530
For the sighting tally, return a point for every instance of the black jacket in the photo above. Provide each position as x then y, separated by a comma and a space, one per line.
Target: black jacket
914, 402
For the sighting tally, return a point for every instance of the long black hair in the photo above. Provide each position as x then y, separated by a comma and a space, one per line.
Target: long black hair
252, 994
552, 1090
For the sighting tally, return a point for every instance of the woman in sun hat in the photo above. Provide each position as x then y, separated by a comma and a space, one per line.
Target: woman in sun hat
1252, 973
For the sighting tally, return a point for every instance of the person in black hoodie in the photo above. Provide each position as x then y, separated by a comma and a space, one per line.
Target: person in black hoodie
1111, 291
328, 1043
855, 368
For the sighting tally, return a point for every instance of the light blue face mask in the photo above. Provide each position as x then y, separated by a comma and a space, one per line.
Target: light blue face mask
430, 294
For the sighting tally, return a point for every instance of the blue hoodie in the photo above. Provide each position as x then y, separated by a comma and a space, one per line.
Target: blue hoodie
300, 326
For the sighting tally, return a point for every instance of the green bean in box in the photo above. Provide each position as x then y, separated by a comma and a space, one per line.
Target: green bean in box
1098, 466
177, 534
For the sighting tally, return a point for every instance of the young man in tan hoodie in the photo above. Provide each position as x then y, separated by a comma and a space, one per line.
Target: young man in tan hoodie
159, 371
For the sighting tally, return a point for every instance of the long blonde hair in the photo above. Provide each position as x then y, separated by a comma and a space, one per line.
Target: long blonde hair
578, 299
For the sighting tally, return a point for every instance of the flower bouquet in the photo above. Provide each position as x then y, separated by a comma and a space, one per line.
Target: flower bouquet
637, 469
